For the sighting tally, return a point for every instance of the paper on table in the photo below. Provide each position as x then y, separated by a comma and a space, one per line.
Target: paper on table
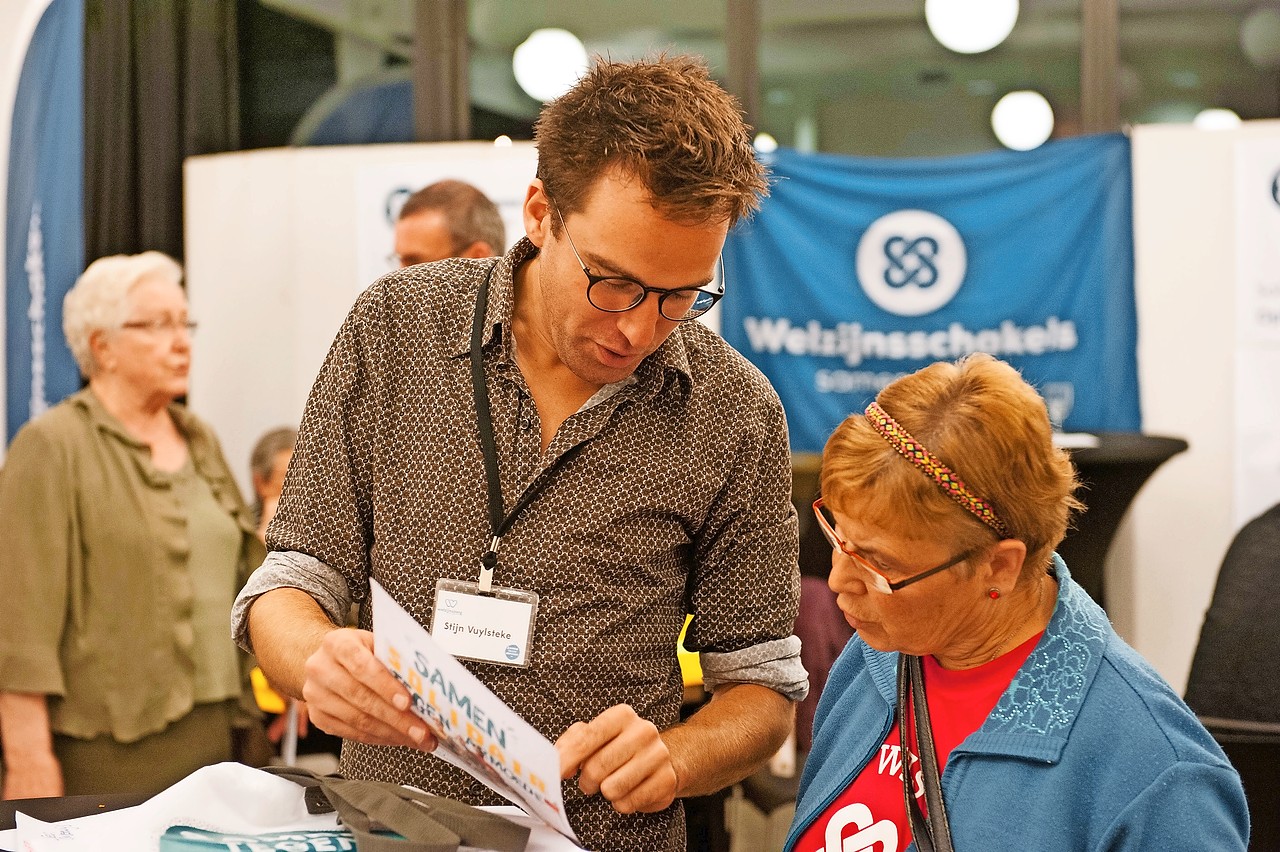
227, 797
477, 731
541, 839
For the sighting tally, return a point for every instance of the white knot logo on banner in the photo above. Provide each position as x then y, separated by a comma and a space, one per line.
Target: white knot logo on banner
42, 245
911, 262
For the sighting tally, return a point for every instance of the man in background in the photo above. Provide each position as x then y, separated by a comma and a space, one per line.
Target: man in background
449, 218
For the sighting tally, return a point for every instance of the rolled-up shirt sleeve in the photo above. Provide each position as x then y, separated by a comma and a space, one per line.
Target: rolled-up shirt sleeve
293, 570
745, 591
775, 664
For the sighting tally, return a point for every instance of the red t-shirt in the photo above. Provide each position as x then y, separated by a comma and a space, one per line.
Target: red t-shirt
870, 815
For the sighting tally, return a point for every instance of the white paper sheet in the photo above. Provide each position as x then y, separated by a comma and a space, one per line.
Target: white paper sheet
227, 797
90, 831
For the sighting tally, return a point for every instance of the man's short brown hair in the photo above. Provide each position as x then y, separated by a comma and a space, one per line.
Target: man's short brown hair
469, 214
662, 120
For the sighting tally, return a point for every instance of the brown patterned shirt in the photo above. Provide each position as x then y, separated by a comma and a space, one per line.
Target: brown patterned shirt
678, 501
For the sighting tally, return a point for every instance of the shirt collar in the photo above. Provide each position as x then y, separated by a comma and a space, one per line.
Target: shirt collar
203, 454
107, 422
497, 318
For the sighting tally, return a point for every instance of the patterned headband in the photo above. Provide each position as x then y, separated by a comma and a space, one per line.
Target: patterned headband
914, 451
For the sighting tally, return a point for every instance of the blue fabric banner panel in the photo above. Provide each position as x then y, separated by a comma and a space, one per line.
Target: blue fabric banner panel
856, 271
44, 227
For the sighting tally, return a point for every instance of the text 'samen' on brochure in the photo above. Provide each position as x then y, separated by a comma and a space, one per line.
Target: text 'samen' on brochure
477, 731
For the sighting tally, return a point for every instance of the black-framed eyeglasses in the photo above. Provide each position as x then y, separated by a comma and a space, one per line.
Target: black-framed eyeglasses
617, 294
876, 579
162, 326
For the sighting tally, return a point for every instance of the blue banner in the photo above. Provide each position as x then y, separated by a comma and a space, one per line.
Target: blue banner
44, 228
857, 271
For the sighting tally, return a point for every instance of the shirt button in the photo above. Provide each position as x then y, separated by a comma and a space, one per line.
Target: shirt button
526, 424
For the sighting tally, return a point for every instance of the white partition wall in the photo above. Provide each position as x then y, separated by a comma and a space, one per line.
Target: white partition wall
1205, 375
278, 245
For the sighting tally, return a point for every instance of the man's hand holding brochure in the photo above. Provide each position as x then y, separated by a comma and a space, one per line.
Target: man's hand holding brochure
476, 730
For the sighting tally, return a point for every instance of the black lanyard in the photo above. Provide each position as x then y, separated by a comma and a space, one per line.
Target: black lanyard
499, 523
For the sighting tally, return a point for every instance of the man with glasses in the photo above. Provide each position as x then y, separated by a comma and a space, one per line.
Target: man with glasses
555, 432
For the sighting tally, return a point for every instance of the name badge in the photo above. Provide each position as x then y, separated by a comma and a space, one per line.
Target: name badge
492, 628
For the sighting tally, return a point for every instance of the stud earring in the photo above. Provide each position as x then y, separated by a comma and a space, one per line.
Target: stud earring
993, 593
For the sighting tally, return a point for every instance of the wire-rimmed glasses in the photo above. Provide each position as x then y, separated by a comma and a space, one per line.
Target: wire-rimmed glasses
166, 325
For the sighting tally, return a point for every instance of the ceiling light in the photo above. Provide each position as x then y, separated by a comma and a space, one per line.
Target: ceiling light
970, 26
548, 63
1022, 120
1216, 119
1260, 37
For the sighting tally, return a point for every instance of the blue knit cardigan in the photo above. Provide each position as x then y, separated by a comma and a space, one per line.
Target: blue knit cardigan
1088, 749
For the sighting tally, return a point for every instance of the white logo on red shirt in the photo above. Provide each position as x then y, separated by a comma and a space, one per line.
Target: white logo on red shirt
891, 764
868, 834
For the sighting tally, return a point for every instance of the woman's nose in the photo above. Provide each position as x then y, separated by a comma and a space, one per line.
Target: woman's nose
844, 577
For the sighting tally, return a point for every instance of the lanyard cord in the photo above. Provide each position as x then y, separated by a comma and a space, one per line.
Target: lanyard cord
484, 420
499, 523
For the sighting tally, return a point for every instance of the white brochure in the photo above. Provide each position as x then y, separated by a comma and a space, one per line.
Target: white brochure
477, 731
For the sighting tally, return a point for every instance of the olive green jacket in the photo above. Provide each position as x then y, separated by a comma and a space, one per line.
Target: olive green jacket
96, 609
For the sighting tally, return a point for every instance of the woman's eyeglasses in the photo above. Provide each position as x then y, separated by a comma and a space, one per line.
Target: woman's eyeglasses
876, 579
161, 326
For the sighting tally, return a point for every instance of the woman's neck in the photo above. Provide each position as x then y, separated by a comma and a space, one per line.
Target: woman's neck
144, 417
1027, 609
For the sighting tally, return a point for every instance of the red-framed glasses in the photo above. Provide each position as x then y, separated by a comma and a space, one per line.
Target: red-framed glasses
876, 579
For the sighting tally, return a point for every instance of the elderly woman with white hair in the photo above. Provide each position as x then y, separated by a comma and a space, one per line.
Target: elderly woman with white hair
123, 541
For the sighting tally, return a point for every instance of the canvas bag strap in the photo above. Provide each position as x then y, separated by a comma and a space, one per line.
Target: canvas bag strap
931, 833
497, 832
425, 823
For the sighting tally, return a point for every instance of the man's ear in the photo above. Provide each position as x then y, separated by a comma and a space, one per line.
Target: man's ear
259, 483
478, 249
537, 214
